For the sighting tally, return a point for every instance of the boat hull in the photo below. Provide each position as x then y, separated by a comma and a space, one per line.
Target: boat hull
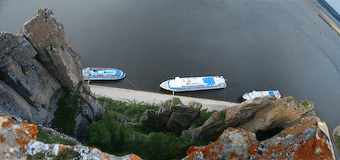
256, 94
219, 83
102, 74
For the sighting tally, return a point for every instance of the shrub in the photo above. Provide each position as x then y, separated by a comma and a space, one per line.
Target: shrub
64, 117
174, 101
203, 116
120, 133
50, 139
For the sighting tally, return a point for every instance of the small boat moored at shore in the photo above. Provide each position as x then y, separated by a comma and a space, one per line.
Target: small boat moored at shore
97, 73
194, 83
255, 94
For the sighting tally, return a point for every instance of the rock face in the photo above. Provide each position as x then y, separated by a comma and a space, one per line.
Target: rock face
232, 144
18, 141
265, 116
26, 81
14, 137
313, 143
37, 68
284, 129
13, 104
176, 119
47, 36
283, 111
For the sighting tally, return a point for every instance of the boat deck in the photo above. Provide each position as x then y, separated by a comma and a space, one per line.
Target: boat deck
102, 74
194, 83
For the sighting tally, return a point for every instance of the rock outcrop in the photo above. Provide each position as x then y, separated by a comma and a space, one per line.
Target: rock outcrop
284, 129
37, 69
232, 144
32, 92
47, 36
264, 116
175, 119
313, 143
18, 141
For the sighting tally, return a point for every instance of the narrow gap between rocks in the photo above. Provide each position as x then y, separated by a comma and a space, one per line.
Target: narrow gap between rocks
263, 135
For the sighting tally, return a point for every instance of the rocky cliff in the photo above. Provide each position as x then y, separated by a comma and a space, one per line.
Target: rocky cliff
261, 128
38, 68
305, 138
18, 141
40, 76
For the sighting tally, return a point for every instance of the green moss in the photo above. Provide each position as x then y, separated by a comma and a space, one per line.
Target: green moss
337, 139
39, 155
53, 46
7, 54
174, 101
131, 110
40, 10
24, 69
21, 30
202, 117
177, 101
43, 137
289, 100
305, 104
64, 117
222, 114
67, 153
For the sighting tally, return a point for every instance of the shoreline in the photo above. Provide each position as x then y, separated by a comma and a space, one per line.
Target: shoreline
324, 15
127, 95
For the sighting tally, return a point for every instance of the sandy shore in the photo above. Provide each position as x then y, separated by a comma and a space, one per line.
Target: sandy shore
121, 94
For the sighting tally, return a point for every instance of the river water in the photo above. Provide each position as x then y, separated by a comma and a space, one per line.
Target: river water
254, 44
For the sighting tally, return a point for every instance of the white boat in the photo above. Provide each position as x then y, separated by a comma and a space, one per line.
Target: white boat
255, 94
96, 73
194, 83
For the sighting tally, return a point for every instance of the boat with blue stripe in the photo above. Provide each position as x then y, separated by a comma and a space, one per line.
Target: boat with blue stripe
97, 73
194, 83
255, 94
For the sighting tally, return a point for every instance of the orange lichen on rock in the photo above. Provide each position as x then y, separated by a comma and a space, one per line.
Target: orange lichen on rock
62, 147
220, 148
205, 150
134, 157
191, 150
26, 133
6, 123
105, 155
2, 139
310, 144
234, 155
226, 146
315, 149
252, 148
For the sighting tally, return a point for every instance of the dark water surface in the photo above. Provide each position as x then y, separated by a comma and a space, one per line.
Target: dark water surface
255, 44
